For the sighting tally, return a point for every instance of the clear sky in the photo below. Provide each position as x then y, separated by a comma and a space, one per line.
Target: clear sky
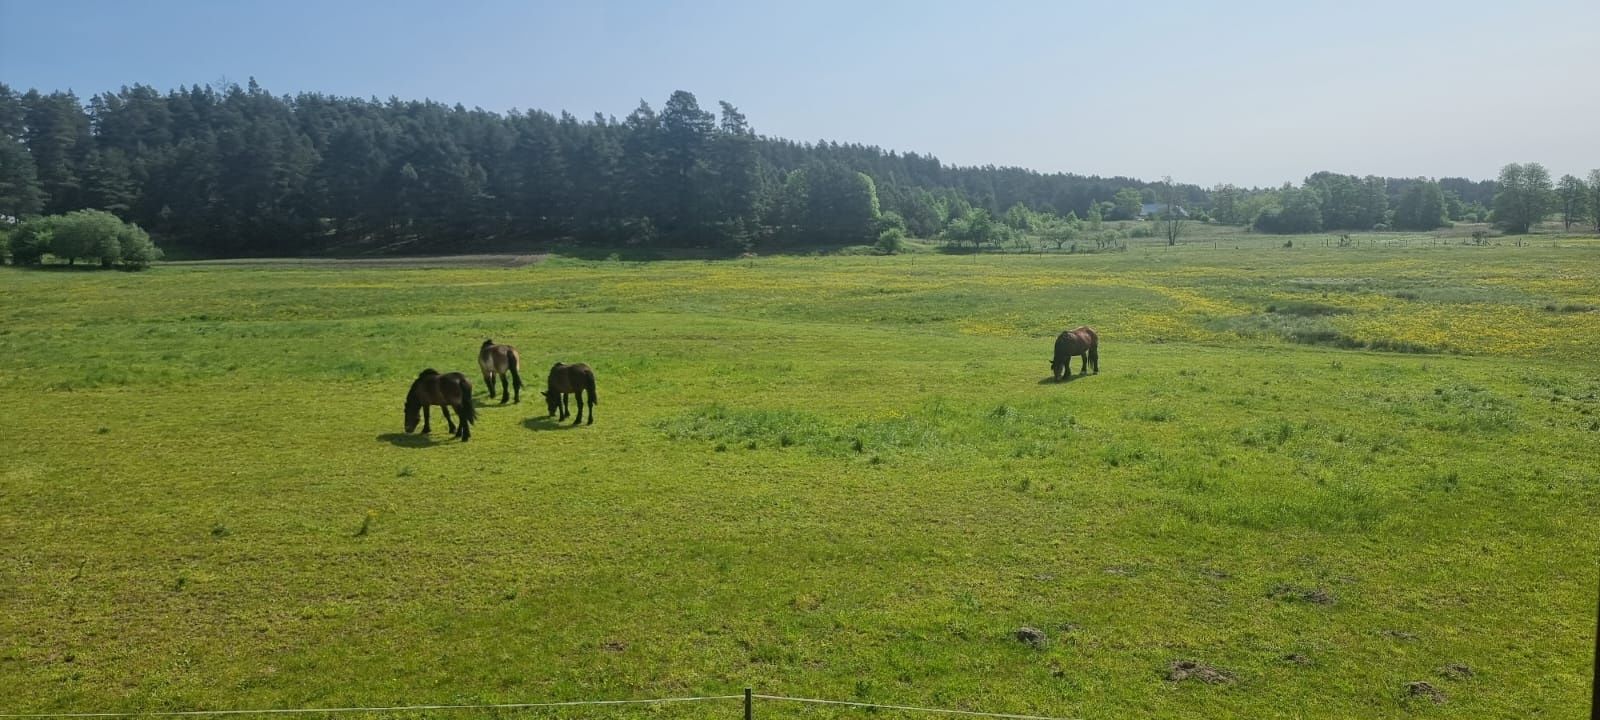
1242, 92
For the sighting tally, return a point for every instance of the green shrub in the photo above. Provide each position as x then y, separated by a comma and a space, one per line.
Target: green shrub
84, 234
89, 235
891, 241
890, 220
31, 240
137, 250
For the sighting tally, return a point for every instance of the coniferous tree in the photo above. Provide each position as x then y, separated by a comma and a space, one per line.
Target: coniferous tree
57, 134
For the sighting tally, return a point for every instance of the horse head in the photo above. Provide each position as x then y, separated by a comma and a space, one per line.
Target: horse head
413, 413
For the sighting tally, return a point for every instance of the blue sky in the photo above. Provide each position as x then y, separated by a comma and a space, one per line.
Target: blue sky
1250, 93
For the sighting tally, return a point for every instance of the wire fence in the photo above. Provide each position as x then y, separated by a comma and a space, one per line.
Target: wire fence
749, 699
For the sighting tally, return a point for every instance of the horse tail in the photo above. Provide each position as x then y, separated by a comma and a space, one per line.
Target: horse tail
512, 361
468, 414
588, 380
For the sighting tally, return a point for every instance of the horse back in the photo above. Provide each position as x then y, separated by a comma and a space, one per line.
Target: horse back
495, 358
1076, 341
433, 388
570, 378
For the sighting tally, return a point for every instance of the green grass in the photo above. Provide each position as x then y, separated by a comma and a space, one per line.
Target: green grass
839, 477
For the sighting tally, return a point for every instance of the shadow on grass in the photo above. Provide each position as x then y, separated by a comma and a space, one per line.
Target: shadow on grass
65, 268
413, 441
1062, 381
546, 423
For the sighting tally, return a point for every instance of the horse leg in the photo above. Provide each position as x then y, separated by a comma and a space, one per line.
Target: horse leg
451, 423
1084, 369
578, 400
591, 408
1094, 357
566, 409
505, 389
466, 428
488, 381
427, 420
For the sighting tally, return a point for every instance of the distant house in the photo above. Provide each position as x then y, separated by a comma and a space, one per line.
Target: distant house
1155, 210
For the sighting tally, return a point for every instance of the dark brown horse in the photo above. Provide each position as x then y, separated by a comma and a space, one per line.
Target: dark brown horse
450, 390
565, 380
1080, 340
496, 361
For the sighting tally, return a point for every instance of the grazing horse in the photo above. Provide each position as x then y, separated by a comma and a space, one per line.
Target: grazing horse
450, 390
1080, 340
497, 360
571, 379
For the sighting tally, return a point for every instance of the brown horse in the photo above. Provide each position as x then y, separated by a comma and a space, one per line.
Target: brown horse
565, 380
1080, 340
450, 390
497, 360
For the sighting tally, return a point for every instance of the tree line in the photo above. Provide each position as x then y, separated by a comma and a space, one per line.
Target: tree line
1522, 196
236, 171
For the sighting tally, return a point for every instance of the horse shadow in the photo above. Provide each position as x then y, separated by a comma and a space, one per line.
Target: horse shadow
410, 440
545, 424
1063, 381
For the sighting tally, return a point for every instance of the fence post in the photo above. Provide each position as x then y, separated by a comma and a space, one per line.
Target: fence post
749, 710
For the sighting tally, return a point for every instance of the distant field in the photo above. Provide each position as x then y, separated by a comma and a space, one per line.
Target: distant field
1324, 472
421, 262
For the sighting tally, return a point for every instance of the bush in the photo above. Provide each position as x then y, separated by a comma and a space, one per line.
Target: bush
1142, 231
32, 240
137, 250
891, 241
890, 220
85, 234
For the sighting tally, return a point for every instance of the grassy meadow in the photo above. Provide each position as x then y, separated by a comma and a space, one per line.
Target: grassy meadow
1322, 473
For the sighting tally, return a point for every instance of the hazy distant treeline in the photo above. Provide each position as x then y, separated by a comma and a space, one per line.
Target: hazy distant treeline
235, 170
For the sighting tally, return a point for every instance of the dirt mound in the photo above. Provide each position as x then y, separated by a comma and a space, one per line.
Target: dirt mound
1424, 689
1031, 636
1181, 670
1456, 671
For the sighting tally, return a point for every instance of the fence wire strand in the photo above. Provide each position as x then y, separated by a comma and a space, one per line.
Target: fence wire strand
395, 708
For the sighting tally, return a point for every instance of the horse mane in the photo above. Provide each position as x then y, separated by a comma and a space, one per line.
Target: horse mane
487, 343
427, 372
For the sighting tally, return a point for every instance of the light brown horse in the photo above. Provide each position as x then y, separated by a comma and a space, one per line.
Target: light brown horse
1080, 340
496, 361
565, 380
450, 390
